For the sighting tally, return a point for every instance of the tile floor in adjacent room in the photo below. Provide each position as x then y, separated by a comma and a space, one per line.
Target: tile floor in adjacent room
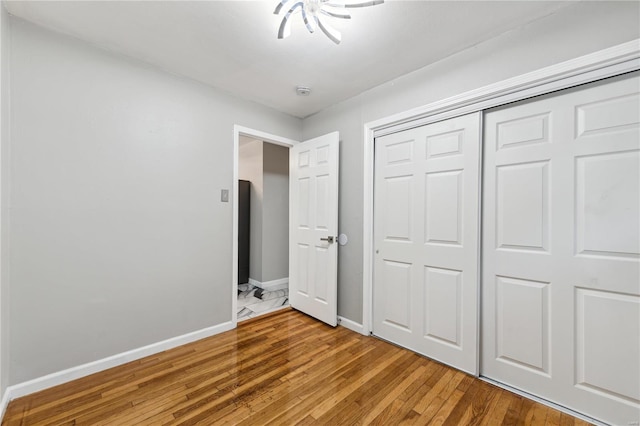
254, 301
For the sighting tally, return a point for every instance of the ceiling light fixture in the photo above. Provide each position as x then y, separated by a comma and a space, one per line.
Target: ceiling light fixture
315, 14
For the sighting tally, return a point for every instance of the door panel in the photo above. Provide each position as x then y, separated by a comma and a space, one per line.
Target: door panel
314, 217
594, 364
561, 248
616, 179
443, 193
397, 309
522, 204
426, 240
522, 323
442, 313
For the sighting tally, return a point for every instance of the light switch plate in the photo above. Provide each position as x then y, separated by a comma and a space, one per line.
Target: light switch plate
224, 195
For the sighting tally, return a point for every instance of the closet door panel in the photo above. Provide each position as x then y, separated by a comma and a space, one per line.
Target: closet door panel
561, 248
426, 240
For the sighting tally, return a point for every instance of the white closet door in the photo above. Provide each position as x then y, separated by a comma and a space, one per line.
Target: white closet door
561, 246
426, 240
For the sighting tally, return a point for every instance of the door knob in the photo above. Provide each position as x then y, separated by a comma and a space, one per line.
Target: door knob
328, 239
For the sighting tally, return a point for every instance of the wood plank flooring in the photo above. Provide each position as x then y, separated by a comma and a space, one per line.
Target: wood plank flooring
282, 369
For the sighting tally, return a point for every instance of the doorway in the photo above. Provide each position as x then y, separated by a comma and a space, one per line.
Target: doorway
263, 227
243, 136
313, 222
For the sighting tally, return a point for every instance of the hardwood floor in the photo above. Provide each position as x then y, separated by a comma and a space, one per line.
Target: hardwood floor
283, 369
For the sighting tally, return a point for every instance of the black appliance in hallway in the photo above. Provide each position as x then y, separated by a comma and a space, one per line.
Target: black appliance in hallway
244, 209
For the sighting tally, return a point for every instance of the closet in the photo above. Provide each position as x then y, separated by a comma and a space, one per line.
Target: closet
547, 301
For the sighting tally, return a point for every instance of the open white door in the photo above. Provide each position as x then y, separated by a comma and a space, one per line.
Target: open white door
313, 227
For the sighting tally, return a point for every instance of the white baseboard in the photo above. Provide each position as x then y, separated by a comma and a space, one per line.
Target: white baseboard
351, 325
60, 377
4, 403
273, 285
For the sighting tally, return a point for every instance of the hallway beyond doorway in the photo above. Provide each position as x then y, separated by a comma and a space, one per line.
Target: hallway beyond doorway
254, 301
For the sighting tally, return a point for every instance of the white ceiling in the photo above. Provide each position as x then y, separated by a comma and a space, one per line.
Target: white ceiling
232, 45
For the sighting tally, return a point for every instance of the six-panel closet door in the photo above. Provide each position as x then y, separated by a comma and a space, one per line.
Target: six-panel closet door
426, 210
560, 284
561, 246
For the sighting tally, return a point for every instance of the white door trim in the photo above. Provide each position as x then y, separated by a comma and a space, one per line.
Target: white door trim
265, 137
602, 64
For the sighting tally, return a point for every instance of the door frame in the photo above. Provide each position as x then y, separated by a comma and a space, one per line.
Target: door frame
265, 137
606, 63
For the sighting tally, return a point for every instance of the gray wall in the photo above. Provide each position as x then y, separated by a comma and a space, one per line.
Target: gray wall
275, 235
118, 236
571, 32
4, 198
250, 168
